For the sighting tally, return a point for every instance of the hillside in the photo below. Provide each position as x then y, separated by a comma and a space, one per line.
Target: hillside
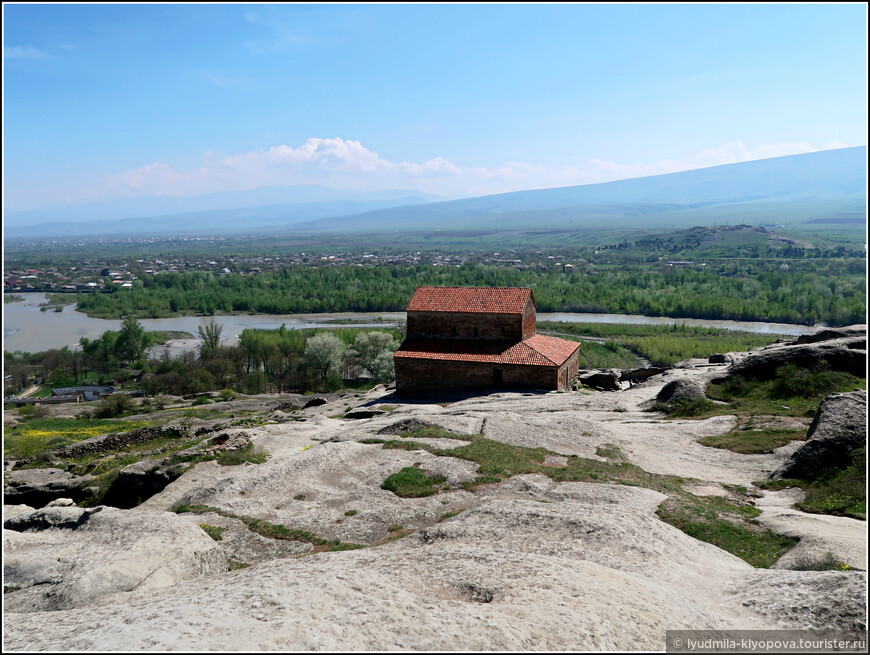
793, 189
821, 188
223, 212
214, 222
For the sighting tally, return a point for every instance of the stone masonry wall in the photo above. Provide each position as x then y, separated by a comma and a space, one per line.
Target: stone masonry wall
458, 325
429, 375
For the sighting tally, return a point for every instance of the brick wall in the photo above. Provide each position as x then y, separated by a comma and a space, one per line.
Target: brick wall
458, 325
530, 327
569, 370
429, 375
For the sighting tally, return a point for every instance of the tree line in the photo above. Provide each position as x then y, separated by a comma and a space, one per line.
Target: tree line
757, 292
264, 361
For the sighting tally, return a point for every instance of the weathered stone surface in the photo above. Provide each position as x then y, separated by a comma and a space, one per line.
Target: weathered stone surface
68, 557
792, 597
681, 389
600, 572
602, 380
530, 564
849, 331
721, 358
61, 502
38, 487
839, 427
847, 354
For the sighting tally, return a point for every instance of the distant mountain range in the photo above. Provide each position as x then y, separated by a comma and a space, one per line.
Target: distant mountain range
797, 188
220, 213
818, 186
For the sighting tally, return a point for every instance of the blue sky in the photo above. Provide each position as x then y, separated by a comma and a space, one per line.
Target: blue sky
105, 102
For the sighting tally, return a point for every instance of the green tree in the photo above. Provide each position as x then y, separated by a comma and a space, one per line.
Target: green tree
374, 352
132, 341
210, 333
323, 353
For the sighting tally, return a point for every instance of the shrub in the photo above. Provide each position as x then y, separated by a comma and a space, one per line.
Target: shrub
827, 562
227, 394
794, 382
114, 405
33, 412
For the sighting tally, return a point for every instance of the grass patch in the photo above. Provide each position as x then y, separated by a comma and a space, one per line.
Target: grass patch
827, 562
350, 512
235, 565
609, 451
450, 515
242, 455
30, 438
472, 485
728, 525
435, 432
272, 530
841, 492
212, 531
601, 355
662, 345
752, 442
411, 482
685, 408
500, 459
102, 482
799, 395
393, 444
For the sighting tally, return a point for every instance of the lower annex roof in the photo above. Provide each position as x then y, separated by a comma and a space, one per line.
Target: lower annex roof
538, 350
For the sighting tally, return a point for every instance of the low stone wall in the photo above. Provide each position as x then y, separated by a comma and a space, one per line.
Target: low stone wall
119, 441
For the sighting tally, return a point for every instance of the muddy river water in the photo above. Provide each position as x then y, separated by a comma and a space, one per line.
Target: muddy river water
28, 329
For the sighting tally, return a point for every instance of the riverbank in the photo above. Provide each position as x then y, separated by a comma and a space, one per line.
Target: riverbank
27, 329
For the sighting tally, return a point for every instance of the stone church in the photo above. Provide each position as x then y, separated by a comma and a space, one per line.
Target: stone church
480, 338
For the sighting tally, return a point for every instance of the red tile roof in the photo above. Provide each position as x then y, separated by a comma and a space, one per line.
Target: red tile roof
498, 300
538, 350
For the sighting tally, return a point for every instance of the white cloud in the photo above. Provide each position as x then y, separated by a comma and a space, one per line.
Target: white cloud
23, 52
348, 164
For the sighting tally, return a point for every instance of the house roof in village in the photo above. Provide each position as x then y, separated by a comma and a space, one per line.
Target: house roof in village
539, 350
509, 300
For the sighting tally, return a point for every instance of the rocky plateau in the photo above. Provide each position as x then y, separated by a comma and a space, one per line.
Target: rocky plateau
527, 563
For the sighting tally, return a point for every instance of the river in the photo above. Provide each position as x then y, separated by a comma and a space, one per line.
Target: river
28, 329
